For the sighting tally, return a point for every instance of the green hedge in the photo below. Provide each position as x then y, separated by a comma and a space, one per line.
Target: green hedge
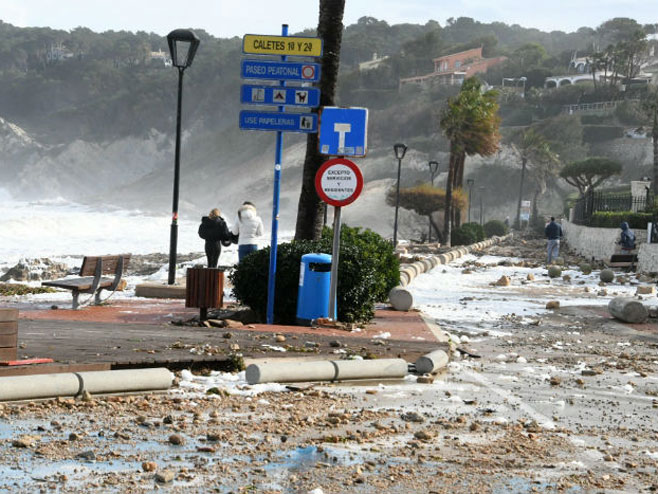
495, 227
467, 234
367, 270
600, 133
603, 219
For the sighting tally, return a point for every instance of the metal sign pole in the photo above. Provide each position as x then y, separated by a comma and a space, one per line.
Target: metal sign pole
275, 210
335, 251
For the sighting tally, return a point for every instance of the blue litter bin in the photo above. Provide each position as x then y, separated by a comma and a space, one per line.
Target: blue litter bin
314, 288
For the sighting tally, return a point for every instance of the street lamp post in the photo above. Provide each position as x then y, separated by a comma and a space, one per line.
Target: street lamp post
470, 182
481, 194
400, 150
183, 44
434, 168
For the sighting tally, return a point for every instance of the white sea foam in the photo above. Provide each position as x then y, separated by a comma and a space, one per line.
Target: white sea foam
56, 227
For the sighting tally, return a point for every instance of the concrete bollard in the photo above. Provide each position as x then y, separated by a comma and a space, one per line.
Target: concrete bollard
431, 362
628, 310
401, 298
73, 384
336, 370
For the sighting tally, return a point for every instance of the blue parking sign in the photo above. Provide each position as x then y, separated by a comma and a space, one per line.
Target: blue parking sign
343, 131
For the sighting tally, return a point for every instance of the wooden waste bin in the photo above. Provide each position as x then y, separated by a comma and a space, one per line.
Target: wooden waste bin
8, 333
204, 288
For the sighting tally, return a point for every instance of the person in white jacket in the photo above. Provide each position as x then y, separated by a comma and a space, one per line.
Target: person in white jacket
248, 227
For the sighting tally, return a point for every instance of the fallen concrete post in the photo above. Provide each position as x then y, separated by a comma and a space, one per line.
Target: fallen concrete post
432, 362
401, 298
335, 370
75, 383
628, 310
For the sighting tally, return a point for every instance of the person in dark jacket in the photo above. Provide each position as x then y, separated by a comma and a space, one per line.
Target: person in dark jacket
213, 230
627, 239
553, 232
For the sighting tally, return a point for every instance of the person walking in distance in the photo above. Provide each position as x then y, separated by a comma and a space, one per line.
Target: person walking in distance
214, 231
627, 238
553, 232
248, 228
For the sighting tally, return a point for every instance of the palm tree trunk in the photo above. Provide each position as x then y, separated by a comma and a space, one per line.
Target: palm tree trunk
517, 222
654, 134
310, 209
535, 207
437, 230
457, 183
447, 217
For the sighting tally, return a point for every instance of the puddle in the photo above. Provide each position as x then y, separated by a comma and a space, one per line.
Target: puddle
521, 485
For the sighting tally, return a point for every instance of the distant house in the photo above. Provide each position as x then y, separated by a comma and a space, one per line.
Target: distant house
372, 64
453, 69
579, 65
161, 57
58, 53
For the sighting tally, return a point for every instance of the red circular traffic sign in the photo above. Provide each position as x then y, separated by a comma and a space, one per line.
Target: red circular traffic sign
338, 182
308, 72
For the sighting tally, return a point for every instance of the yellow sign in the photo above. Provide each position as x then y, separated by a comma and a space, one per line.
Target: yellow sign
258, 44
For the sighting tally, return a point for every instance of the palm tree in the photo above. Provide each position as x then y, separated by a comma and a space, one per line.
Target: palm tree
310, 209
471, 123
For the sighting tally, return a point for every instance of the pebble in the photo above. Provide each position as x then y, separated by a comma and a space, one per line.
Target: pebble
279, 338
24, 442
149, 466
164, 477
176, 439
87, 455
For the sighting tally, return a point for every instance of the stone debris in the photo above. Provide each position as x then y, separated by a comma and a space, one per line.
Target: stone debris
164, 477
646, 290
503, 281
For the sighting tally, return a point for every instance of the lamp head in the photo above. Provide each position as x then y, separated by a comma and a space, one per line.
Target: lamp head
400, 149
183, 44
470, 182
434, 166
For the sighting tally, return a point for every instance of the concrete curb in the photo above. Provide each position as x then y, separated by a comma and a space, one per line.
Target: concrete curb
401, 299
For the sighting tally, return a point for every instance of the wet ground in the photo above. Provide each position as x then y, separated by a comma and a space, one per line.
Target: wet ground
562, 401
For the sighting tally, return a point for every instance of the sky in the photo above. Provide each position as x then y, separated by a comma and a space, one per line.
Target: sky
228, 18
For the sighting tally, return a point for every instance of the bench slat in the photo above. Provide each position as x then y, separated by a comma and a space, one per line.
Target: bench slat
89, 263
78, 283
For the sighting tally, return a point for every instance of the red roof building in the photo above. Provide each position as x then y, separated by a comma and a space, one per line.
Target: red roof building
453, 69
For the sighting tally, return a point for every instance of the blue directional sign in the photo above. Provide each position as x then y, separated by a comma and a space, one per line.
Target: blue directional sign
281, 71
308, 97
285, 122
343, 131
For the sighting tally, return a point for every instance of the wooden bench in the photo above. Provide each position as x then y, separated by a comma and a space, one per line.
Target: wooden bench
91, 279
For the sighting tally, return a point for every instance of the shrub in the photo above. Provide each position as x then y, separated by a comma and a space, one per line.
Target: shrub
467, 234
612, 219
367, 270
495, 227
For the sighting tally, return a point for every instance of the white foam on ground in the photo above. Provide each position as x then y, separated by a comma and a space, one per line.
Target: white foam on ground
235, 384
